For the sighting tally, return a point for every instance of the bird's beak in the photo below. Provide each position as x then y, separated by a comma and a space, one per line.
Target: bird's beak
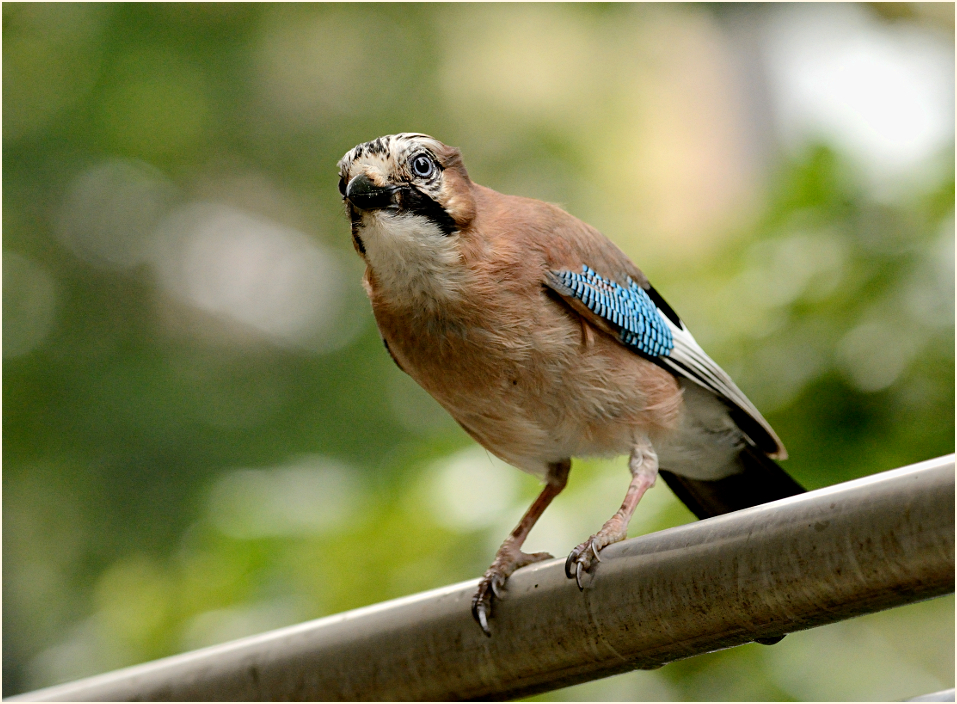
365, 195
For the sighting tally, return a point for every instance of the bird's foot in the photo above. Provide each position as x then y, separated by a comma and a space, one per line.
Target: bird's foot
584, 557
507, 560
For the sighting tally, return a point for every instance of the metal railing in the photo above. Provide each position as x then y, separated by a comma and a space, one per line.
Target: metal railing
810, 560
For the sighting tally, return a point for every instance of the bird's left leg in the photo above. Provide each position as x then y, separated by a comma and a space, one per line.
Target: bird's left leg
510, 556
643, 464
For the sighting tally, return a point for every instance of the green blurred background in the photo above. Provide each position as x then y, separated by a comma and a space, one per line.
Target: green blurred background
202, 435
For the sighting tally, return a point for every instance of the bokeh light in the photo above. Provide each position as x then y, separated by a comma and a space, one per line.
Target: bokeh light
884, 94
269, 278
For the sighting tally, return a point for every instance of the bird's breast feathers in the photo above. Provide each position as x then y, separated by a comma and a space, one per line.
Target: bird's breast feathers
471, 320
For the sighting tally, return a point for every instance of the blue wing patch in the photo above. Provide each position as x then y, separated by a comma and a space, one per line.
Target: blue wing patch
630, 310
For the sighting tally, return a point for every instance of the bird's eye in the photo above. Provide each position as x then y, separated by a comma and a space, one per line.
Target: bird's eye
422, 166
342, 185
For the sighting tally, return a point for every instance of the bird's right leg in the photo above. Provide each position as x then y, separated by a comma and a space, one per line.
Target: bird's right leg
643, 464
510, 556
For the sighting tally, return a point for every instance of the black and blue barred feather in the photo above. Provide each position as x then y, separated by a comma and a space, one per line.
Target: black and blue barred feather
630, 311
644, 323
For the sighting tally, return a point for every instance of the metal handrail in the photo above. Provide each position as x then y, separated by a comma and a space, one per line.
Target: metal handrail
809, 560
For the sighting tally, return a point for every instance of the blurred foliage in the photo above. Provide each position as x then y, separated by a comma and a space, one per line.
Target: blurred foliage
173, 478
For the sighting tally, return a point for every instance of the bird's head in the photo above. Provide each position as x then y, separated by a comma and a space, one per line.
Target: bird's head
409, 177
411, 202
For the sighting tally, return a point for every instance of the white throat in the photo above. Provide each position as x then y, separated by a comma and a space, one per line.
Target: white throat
411, 259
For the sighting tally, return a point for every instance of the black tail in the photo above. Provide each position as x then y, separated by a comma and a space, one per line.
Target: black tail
761, 480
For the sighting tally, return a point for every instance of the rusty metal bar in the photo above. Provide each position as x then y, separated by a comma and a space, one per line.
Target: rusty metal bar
828, 555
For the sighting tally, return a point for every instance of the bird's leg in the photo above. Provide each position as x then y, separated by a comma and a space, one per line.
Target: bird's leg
643, 464
510, 556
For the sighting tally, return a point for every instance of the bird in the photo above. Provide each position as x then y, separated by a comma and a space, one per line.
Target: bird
544, 342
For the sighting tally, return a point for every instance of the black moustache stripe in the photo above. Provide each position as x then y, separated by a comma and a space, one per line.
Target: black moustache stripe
412, 200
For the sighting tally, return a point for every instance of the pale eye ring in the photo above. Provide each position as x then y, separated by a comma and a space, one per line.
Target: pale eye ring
422, 166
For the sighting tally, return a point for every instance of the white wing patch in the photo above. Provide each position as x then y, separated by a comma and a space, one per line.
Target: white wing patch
687, 359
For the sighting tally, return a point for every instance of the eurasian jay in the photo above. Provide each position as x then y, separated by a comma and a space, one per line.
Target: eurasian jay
545, 342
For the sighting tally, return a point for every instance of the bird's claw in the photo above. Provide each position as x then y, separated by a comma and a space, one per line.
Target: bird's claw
479, 610
584, 557
578, 561
482, 601
569, 561
489, 587
493, 583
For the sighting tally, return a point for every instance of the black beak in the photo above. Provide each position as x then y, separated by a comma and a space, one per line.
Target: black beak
365, 195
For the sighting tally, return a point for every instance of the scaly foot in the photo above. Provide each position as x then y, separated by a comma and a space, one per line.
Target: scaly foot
584, 557
507, 560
